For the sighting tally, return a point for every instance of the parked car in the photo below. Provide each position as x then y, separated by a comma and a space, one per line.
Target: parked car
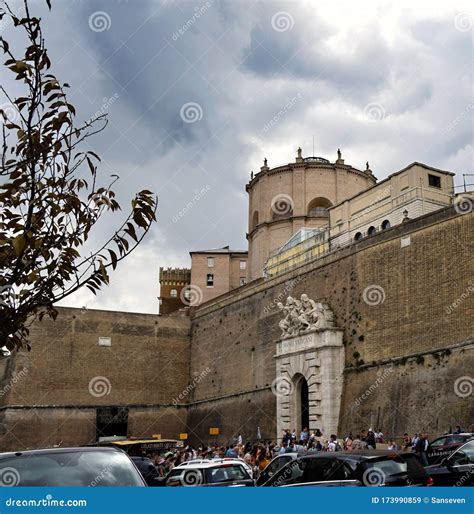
147, 469
208, 474
445, 445
69, 467
457, 469
219, 460
363, 468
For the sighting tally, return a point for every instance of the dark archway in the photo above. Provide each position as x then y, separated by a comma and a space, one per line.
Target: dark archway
304, 398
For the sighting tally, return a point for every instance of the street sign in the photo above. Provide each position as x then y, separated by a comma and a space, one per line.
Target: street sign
213, 431
183, 436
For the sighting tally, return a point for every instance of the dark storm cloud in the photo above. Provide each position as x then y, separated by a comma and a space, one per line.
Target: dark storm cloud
255, 88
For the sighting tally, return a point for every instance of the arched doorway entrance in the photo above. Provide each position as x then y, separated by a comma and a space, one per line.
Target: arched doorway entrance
300, 410
304, 398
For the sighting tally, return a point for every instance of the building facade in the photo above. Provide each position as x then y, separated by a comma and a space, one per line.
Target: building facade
215, 272
298, 195
174, 284
397, 351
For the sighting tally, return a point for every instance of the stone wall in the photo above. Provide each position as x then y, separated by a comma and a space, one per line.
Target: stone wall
392, 298
52, 393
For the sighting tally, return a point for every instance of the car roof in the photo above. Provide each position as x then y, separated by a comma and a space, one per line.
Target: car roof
469, 434
357, 455
44, 451
210, 464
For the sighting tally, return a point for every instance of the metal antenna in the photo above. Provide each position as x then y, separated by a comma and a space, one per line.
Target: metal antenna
313, 146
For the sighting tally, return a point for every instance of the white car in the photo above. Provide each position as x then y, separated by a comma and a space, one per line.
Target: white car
209, 472
218, 459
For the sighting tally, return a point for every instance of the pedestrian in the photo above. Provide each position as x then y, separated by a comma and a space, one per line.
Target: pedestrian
358, 443
348, 442
392, 445
406, 441
370, 440
304, 436
421, 448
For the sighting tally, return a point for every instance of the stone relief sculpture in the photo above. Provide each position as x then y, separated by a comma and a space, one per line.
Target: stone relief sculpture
304, 315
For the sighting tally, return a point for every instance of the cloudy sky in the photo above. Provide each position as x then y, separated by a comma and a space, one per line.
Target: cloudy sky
191, 89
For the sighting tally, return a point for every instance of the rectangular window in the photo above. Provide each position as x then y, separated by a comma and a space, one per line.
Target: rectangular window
434, 181
210, 262
243, 264
243, 281
210, 280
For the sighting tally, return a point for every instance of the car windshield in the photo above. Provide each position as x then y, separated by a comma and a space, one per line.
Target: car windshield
389, 467
465, 454
75, 468
226, 473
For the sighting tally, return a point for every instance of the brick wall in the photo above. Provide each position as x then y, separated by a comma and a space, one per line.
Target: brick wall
52, 392
236, 334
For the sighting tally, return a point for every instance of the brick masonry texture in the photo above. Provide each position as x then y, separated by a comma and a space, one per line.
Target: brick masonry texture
147, 366
179, 374
236, 334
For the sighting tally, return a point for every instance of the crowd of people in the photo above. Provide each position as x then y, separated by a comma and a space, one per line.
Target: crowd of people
258, 454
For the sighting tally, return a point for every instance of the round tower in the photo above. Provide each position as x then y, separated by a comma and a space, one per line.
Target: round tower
284, 199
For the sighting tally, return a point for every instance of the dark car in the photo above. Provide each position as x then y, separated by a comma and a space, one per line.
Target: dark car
276, 464
147, 469
53, 467
445, 445
210, 474
364, 468
457, 469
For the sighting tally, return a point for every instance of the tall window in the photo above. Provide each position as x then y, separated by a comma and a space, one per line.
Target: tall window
385, 224
243, 264
243, 281
210, 280
210, 262
173, 293
371, 231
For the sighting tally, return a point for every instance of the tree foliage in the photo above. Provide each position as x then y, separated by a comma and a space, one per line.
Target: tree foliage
50, 197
